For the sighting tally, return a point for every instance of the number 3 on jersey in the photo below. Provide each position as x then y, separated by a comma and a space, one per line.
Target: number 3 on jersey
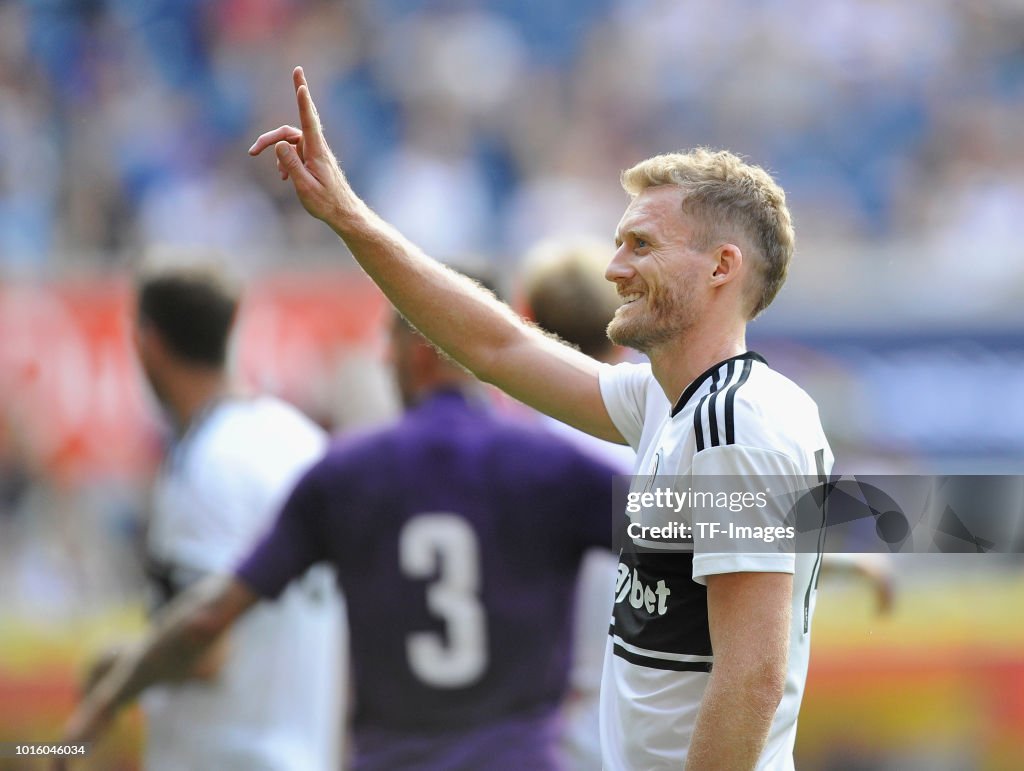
446, 546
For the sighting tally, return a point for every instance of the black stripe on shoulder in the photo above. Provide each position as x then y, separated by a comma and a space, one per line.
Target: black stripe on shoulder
653, 663
698, 429
698, 423
699, 381
716, 438
730, 406
712, 413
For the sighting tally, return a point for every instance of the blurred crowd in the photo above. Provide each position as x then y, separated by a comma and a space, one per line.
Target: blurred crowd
479, 126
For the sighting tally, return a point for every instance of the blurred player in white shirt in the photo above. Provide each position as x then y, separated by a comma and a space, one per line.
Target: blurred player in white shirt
268, 696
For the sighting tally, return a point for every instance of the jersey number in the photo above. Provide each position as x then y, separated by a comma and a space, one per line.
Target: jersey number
446, 546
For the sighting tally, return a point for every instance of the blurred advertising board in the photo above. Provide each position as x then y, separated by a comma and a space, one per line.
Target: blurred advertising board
73, 402
942, 401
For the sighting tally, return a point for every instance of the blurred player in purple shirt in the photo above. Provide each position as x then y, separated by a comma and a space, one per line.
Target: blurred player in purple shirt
457, 537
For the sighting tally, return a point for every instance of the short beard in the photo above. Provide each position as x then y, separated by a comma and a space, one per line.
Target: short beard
667, 318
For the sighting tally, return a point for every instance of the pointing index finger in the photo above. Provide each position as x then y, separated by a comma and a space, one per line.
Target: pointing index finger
309, 119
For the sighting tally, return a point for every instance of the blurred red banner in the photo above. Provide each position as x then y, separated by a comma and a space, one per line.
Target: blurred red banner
73, 402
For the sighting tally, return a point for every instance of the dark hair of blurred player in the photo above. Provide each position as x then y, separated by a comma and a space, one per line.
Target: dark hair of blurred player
192, 309
183, 323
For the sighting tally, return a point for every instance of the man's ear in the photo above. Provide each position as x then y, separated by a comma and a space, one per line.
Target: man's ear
728, 262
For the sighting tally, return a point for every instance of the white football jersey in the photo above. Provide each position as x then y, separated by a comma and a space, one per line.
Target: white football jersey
739, 419
276, 702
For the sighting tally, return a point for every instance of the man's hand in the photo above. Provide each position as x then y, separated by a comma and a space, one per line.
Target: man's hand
100, 665
91, 719
188, 628
87, 723
94, 713
304, 157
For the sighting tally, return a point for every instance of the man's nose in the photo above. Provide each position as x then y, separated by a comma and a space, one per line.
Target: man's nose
620, 268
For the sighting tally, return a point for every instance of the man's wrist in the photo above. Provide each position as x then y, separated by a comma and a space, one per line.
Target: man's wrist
347, 211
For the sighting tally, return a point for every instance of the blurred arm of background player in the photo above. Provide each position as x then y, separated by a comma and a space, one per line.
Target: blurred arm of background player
205, 668
468, 323
189, 629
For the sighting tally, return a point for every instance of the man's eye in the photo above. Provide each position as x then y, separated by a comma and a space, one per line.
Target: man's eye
640, 243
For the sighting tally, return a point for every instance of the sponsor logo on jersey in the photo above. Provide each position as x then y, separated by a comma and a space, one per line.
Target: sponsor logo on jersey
629, 588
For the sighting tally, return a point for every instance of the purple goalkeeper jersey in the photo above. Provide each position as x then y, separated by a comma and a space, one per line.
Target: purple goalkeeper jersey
457, 537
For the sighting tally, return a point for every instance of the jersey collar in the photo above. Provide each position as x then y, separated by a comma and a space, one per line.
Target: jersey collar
701, 378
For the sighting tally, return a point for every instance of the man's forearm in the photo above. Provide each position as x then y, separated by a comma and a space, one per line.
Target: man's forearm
170, 652
732, 725
472, 326
461, 318
128, 679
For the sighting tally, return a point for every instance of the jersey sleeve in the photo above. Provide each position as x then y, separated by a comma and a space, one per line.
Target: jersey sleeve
293, 544
767, 460
754, 479
624, 390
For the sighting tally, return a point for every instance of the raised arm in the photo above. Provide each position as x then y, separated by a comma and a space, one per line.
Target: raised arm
463, 319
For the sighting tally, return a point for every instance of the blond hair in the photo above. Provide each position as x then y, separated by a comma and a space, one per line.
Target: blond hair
729, 200
567, 293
